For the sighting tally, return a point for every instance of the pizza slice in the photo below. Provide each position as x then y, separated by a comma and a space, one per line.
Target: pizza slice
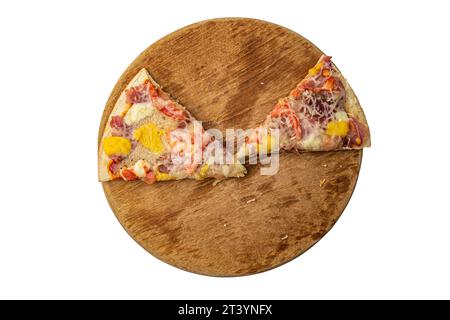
151, 137
321, 114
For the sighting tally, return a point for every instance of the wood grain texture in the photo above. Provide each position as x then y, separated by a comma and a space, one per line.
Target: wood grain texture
229, 73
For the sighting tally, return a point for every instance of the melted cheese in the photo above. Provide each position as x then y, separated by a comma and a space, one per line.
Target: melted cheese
312, 142
138, 112
141, 168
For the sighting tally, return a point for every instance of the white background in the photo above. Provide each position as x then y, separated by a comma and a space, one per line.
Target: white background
58, 236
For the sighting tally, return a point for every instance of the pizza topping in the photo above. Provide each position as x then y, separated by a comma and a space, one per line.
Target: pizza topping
114, 166
143, 92
190, 168
176, 136
140, 168
312, 141
330, 143
320, 78
287, 117
154, 92
150, 137
171, 110
116, 122
163, 169
116, 146
340, 126
329, 84
296, 93
295, 124
326, 72
125, 109
149, 177
337, 128
139, 93
183, 149
138, 112
355, 135
182, 125
118, 127
319, 107
316, 69
265, 144
203, 170
128, 174
160, 176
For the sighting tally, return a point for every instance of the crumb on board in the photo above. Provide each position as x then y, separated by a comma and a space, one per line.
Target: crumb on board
251, 200
340, 166
284, 237
322, 182
261, 82
224, 224
324, 165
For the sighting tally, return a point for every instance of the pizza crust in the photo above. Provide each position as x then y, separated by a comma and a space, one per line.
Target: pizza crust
353, 107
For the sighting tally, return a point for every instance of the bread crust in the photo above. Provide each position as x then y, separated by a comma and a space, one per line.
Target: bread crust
353, 107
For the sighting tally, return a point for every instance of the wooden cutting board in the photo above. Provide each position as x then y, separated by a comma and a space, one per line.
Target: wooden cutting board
229, 73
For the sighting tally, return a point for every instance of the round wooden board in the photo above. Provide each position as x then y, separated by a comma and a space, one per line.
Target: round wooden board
229, 73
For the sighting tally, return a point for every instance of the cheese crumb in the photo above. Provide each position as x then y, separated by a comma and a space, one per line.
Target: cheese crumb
251, 200
284, 237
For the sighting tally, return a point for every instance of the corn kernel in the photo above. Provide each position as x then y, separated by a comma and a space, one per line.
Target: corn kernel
337, 128
116, 146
